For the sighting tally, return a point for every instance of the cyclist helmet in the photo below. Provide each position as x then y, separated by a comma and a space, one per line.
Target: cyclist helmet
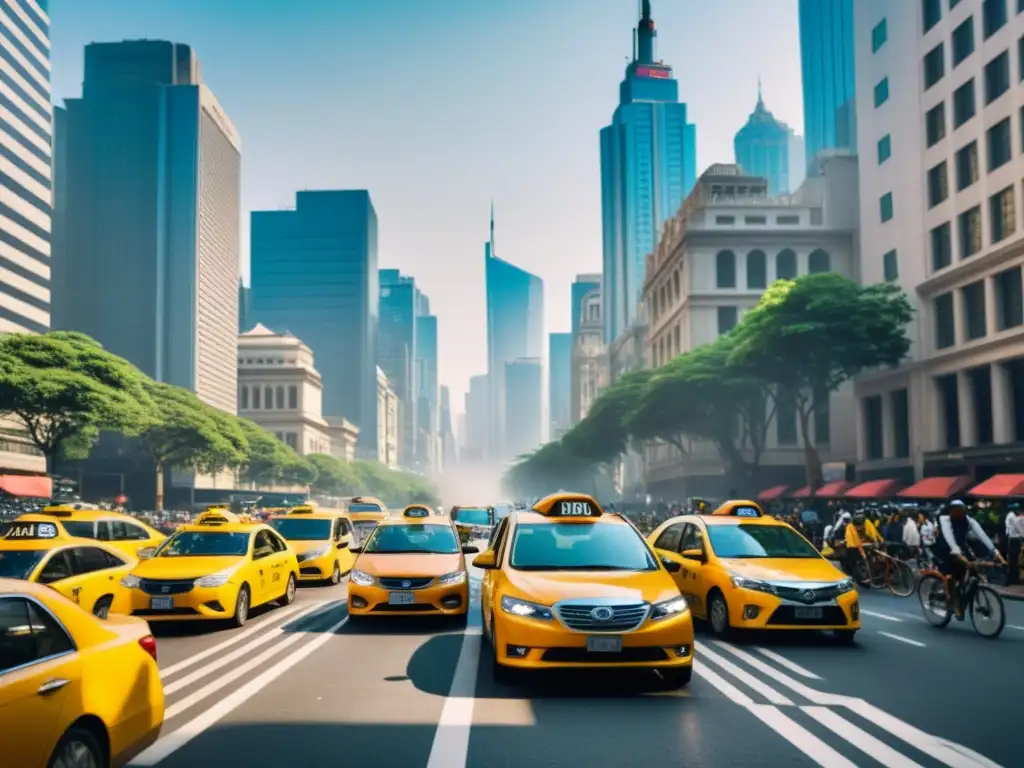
957, 507
858, 517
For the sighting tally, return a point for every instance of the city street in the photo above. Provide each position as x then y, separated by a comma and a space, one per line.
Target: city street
304, 683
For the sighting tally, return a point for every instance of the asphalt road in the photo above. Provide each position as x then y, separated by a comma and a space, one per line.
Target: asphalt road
300, 685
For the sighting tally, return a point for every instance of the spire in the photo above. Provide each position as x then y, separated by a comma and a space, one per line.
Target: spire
760, 101
645, 13
492, 228
645, 34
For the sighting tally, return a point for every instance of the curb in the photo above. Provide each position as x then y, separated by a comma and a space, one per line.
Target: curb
1016, 597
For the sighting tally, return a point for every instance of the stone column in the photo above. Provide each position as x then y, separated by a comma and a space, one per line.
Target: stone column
1002, 405
968, 417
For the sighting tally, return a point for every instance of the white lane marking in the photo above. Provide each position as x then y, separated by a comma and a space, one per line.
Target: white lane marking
861, 739
764, 689
792, 666
179, 738
451, 740
885, 616
729, 690
195, 658
1014, 626
261, 641
902, 639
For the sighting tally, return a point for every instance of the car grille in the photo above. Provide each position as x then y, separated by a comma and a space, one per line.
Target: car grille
414, 608
583, 656
169, 612
831, 615
806, 595
310, 571
624, 617
415, 583
166, 587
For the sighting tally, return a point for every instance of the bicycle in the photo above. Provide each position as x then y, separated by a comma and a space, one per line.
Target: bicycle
889, 571
988, 614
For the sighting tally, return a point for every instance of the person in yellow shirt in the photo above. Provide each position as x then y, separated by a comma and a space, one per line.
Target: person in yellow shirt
860, 533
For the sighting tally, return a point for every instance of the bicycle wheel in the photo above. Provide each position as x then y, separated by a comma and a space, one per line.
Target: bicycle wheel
987, 614
931, 591
902, 579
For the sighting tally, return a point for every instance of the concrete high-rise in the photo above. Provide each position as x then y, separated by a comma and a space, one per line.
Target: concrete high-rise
397, 352
762, 148
524, 406
314, 274
559, 383
148, 217
476, 436
648, 165
826, 64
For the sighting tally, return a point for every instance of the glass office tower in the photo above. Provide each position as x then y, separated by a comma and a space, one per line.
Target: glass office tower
826, 64
762, 148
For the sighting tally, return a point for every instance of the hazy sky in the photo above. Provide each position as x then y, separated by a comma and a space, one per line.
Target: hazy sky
436, 106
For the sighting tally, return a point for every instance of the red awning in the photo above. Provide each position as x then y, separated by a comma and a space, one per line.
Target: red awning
935, 487
775, 492
832, 490
38, 486
1000, 486
873, 489
803, 493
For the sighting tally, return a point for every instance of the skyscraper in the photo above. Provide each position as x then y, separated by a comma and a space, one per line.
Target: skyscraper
398, 354
428, 411
826, 64
476, 437
148, 216
244, 306
581, 286
762, 148
524, 407
648, 165
515, 330
448, 452
559, 382
314, 274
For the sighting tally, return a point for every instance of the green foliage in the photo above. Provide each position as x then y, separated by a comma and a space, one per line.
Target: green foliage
602, 436
270, 461
334, 477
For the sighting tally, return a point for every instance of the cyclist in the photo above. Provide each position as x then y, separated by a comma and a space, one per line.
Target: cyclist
956, 531
860, 533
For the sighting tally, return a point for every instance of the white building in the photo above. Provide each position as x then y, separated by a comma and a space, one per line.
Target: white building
280, 390
387, 422
729, 242
940, 125
589, 364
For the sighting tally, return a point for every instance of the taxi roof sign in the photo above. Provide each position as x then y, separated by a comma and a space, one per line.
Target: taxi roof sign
304, 509
31, 530
217, 516
739, 508
416, 511
567, 505
59, 510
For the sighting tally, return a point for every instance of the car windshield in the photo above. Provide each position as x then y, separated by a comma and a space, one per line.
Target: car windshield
364, 508
502, 510
408, 539
19, 563
204, 544
364, 528
83, 529
296, 528
472, 516
579, 547
751, 541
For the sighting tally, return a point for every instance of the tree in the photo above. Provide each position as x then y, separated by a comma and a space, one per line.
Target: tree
808, 336
547, 469
269, 459
602, 435
334, 477
65, 387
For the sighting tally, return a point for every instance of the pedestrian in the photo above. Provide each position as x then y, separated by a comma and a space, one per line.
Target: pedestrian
1014, 526
911, 537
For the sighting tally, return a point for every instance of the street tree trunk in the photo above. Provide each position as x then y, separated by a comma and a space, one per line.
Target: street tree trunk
159, 486
812, 461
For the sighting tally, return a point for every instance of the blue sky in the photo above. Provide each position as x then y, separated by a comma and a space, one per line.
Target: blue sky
436, 106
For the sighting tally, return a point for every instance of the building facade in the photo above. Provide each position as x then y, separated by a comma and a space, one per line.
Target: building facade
449, 452
589, 362
939, 111
826, 64
280, 389
728, 243
524, 406
148, 214
244, 307
387, 422
559, 383
427, 400
648, 164
476, 437
314, 274
581, 286
762, 148
398, 354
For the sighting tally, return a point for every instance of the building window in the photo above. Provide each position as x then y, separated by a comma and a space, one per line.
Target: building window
890, 267
900, 402
1020, 56
938, 184
974, 310
757, 270
873, 427
1002, 214
942, 247
878, 36
963, 41
931, 12
1009, 294
245, 398
727, 319
787, 220
967, 166
819, 261
268, 398
279, 398
881, 92
885, 207
884, 148
949, 405
997, 77
970, 232
945, 327
785, 265
755, 220
293, 397
964, 104
725, 219
255, 398
675, 282
999, 145
725, 269
934, 66
993, 17
785, 419
935, 123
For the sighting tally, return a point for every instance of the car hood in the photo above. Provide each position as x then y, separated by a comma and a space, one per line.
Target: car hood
184, 567
784, 569
549, 587
408, 565
305, 546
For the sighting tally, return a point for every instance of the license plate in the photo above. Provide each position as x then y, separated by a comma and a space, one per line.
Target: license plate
161, 603
401, 598
604, 644
807, 613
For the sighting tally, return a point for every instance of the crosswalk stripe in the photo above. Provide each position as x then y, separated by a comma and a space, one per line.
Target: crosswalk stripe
774, 696
864, 741
800, 737
792, 666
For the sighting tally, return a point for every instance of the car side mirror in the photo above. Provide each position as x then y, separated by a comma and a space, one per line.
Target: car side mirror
695, 554
145, 553
355, 550
343, 544
671, 565
486, 560
470, 550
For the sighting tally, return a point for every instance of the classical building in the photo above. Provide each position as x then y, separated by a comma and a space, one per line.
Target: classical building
730, 241
387, 422
589, 364
279, 389
344, 437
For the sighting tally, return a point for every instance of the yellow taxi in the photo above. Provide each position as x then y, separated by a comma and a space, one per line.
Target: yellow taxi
122, 532
37, 548
411, 565
74, 690
567, 584
218, 567
322, 539
365, 512
742, 569
473, 522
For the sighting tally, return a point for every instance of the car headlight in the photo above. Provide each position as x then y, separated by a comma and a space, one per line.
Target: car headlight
672, 607
130, 581
525, 608
844, 586
313, 554
449, 579
362, 578
758, 586
218, 579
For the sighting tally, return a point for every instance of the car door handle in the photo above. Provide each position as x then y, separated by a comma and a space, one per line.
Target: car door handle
75, 590
51, 686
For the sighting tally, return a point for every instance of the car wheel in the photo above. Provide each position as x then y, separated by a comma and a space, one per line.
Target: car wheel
102, 607
718, 615
336, 574
241, 614
289, 592
78, 748
845, 636
674, 678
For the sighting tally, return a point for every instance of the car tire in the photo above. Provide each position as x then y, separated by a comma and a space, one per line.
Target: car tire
718, 615
289, 591
242, 603
845, 636
102, 607
75, 745
336, 575
674, 678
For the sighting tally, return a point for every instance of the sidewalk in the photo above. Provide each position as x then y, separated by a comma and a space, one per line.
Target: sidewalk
1015, 592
